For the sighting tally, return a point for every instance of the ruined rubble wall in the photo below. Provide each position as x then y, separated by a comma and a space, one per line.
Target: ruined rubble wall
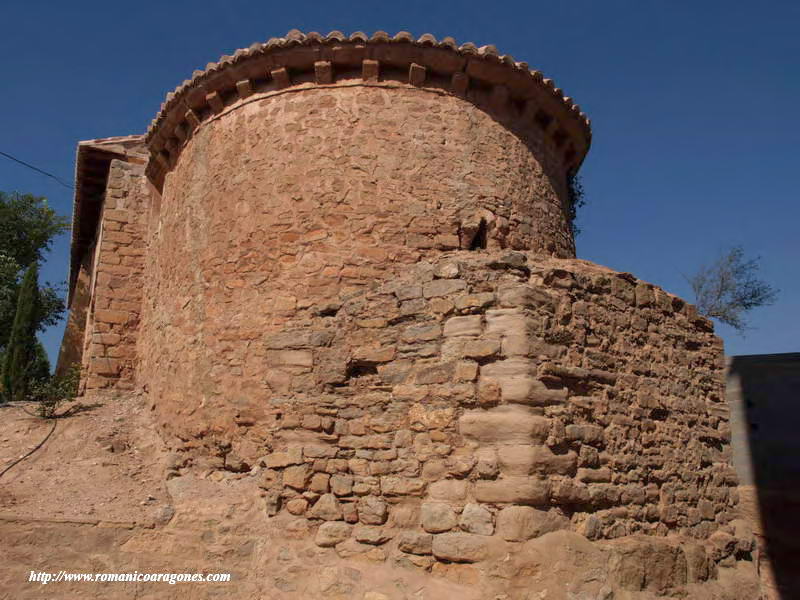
329, 297
296, 200
481, 396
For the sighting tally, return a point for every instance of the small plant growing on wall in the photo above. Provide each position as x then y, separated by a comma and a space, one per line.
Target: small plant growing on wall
575, 200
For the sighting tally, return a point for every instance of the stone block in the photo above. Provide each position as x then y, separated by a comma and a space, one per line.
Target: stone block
422, 333
437, 517
297, 476
518, 384
448, 490
372, 510
370, 69
588, 434
244, 88
430, 417
416, 74
504, 425
448, 270
473, 301
331, 533
270, 478
371, 534
291, 358
323, 72
522, 523
513, 490
119, 317
371, 442
436, 373
349, 511
486, 466
594, 475
297, 339
341, 485
319, 483
107, 339
279, 460
401, 486
476, 519
481, 348
570, 493
525, 296
297, 506
460, 547
466, 370
443, 287
413, 542
434, 470
374, 355
327, 508
281, 77
105, 366
522, 460
471, 325
506, 321
318, 451
351, 547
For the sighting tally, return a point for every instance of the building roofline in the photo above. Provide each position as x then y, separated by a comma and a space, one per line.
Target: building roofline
308, 60
92, 163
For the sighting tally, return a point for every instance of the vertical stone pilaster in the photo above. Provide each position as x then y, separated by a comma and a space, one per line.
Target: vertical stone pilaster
113, 323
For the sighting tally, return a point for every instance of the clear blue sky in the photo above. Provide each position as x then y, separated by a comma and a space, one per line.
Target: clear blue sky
694, 108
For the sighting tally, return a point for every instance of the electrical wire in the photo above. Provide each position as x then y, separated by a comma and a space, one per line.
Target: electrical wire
37, 169
24, 456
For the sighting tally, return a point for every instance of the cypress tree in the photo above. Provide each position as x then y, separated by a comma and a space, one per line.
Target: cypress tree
40, 367
20, 354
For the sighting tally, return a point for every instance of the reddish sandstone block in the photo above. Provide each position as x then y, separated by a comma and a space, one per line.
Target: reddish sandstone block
112, 316
104, 366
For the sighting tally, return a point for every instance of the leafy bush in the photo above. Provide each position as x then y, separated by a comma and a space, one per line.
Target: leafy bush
52, 392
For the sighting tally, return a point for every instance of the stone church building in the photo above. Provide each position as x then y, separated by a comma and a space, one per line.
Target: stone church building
346, 265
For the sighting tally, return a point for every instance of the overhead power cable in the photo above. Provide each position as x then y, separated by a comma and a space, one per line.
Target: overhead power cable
37, 169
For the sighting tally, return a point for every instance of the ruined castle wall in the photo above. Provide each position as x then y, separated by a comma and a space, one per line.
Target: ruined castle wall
485, 396
296, 200
115, 294
480, 399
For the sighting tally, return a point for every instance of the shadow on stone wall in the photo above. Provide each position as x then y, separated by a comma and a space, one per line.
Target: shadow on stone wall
764, 396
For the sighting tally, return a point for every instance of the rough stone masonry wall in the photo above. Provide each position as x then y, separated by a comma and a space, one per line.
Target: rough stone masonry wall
492, 396
109, 352
295, 200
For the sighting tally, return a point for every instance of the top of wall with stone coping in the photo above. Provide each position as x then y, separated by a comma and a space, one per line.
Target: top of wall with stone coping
314, 59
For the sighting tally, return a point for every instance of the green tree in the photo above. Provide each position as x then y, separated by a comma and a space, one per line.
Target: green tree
730, 287
40, 367
19, 360
28, 227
